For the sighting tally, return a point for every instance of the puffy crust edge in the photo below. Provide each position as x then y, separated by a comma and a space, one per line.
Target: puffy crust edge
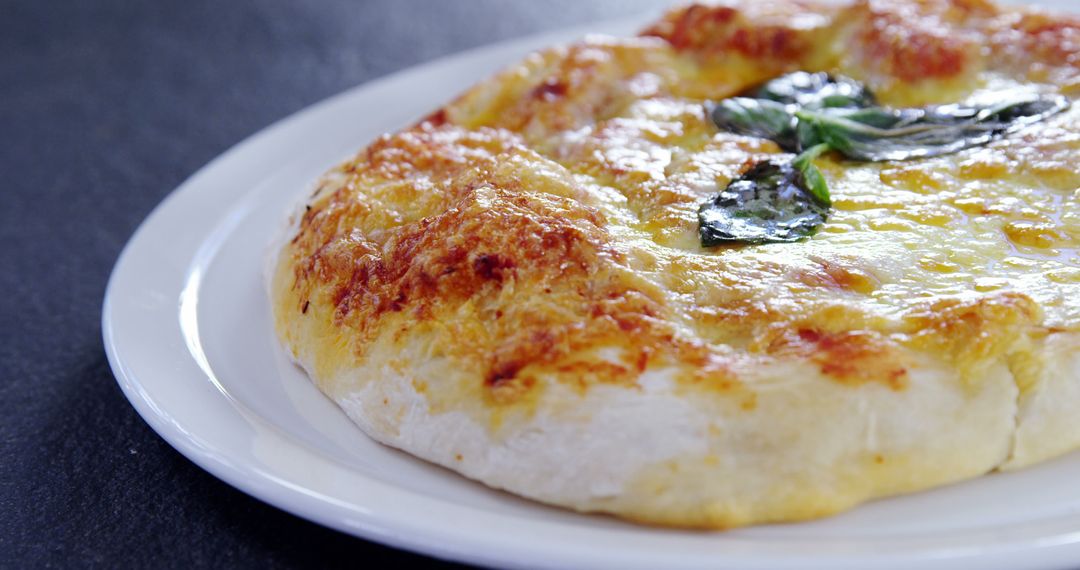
658, 454
810, 448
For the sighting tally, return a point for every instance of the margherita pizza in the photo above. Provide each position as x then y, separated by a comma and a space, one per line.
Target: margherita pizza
764, 262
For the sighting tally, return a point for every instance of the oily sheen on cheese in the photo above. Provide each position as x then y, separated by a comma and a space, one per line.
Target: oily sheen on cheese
514, 287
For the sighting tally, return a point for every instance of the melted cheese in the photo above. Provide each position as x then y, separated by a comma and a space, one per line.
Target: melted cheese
515, 288
550, 212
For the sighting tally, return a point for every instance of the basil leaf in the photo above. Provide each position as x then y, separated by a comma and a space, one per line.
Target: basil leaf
816, 91
815, 112
814, 181
773, 202
878, 134
757, 118
1021, 111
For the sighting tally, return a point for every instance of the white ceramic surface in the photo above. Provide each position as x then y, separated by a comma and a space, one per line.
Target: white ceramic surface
187, 330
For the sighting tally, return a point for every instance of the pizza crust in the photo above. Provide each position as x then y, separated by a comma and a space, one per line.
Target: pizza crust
1046, 424
656, 453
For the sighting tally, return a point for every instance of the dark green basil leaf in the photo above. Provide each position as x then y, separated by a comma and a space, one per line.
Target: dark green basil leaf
757, 118
1020, 111
816, 91
877, 134
772, 202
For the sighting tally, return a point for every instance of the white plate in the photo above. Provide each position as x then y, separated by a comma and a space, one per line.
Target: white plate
188, 335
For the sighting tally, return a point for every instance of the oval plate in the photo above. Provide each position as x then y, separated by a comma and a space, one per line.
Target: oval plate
188, 334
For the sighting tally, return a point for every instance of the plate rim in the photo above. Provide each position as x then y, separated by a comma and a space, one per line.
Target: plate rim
400, 533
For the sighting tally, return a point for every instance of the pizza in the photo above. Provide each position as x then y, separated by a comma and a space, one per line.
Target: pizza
763, 262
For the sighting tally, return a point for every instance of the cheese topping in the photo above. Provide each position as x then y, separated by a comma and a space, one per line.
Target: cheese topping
544, 224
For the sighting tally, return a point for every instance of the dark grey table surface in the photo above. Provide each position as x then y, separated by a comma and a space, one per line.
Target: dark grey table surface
105, 107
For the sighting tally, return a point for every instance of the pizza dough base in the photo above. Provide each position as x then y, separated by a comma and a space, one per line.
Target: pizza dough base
810, 447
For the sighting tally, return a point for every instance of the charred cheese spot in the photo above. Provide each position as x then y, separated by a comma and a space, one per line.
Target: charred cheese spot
839, 275
914, 42
468, 250
571, 87
1040, 46
437, 118
974, 332
850, 357
775, 34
